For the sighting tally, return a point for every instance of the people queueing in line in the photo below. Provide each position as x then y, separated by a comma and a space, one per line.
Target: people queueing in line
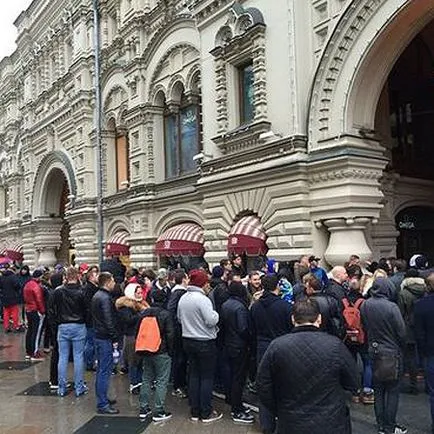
207, 330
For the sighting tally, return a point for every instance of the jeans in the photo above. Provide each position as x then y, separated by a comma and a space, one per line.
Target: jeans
367, 371
13, 313
74, 334
155, 368
34, 330
104, 356
89, 348
179, 365
386, 404
267, 420
429, 374
201, 368
238, 362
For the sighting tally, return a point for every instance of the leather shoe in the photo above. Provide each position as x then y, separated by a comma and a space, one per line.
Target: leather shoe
108, 410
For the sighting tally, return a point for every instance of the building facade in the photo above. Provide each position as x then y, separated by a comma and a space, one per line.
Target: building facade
282, 126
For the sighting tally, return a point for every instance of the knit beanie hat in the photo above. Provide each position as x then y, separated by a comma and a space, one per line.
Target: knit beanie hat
217, 272
198, 278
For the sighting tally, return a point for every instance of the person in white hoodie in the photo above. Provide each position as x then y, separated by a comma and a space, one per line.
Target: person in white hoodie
199, 332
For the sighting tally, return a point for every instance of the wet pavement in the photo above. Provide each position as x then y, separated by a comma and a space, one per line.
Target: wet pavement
26, 406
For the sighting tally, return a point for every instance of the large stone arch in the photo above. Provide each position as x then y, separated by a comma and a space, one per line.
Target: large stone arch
173, 217
355, 64
53, 161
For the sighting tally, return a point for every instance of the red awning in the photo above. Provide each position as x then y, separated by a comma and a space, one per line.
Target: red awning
248, 236
15, 252
183, 239
118, 245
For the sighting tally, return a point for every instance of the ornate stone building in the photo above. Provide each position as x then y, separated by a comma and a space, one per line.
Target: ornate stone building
284, 126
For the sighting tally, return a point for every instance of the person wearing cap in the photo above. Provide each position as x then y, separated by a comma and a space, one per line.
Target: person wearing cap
129, 307
161, 284
199, 332
317, 271
35, 312
236, 325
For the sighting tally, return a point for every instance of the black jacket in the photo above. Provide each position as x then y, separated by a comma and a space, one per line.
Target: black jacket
89, 290
302, 379
382, 320
271, 317
332, 320
424, 325
165, 323
219, 293
128, 312
10, 289
172, 306
236, 325
336, 290
67, 305
115, 267
104, 316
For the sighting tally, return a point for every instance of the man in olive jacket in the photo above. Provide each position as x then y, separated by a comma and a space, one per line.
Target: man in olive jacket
303, 376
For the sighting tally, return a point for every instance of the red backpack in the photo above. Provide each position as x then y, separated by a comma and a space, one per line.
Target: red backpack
353, 322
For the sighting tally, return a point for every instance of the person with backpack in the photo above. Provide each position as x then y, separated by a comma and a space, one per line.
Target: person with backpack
155, 341
355, 337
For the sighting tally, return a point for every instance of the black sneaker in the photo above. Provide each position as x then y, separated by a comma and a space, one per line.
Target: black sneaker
243, 417
244, 409
161, 417
213, 417
399, 429
144, 412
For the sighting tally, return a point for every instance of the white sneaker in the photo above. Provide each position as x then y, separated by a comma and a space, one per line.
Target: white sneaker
213, 417
399, 429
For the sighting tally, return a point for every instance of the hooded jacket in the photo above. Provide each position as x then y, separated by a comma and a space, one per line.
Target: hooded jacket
197, 316
271, 318
128, 311
412, 289
382, 319
9, 289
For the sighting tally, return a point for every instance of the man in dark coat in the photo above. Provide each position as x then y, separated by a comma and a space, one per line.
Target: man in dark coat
271, 318
385, 328
235, 321
10, 294
424, 333
335, 287
114, 266
303, 375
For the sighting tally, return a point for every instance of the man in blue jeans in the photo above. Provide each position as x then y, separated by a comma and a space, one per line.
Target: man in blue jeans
199, 332
424, 333
104, 323
69, 313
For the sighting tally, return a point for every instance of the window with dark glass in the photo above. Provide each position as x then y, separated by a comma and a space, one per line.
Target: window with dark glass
246, 87
181, 139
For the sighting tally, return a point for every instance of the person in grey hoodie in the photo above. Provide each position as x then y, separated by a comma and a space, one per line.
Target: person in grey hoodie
385, 329
199, 332
413, 288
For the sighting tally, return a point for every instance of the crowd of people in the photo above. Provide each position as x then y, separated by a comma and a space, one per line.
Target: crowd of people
289, 332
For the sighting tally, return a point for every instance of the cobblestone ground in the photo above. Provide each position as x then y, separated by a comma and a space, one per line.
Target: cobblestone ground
31, 414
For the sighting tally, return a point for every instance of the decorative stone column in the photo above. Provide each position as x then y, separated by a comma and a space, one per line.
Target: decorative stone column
347, 237
47, 239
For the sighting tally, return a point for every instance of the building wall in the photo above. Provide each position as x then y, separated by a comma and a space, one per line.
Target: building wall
302, 165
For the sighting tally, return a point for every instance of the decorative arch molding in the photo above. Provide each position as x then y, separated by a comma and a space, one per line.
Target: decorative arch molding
355, 64
60, 160
173, 217
174, 85
120, 224
118, 96
159, 67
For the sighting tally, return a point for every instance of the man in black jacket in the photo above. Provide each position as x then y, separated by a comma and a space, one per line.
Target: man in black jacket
69, 312
335, 287
106, 338
303, 375
10, 298
424, 333
90, 289
235, 321
157, 365
271, 318
385, 327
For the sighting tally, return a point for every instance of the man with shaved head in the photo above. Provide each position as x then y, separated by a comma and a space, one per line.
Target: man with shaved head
335, 287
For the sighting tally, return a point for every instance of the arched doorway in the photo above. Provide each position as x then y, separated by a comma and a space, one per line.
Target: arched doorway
54, 195
416, 232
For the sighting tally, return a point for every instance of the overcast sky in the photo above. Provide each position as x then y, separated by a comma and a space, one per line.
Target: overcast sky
9, 11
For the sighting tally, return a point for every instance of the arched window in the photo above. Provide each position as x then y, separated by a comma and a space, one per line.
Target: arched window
181, 135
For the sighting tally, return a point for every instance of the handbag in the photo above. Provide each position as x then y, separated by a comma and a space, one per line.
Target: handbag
385, 366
